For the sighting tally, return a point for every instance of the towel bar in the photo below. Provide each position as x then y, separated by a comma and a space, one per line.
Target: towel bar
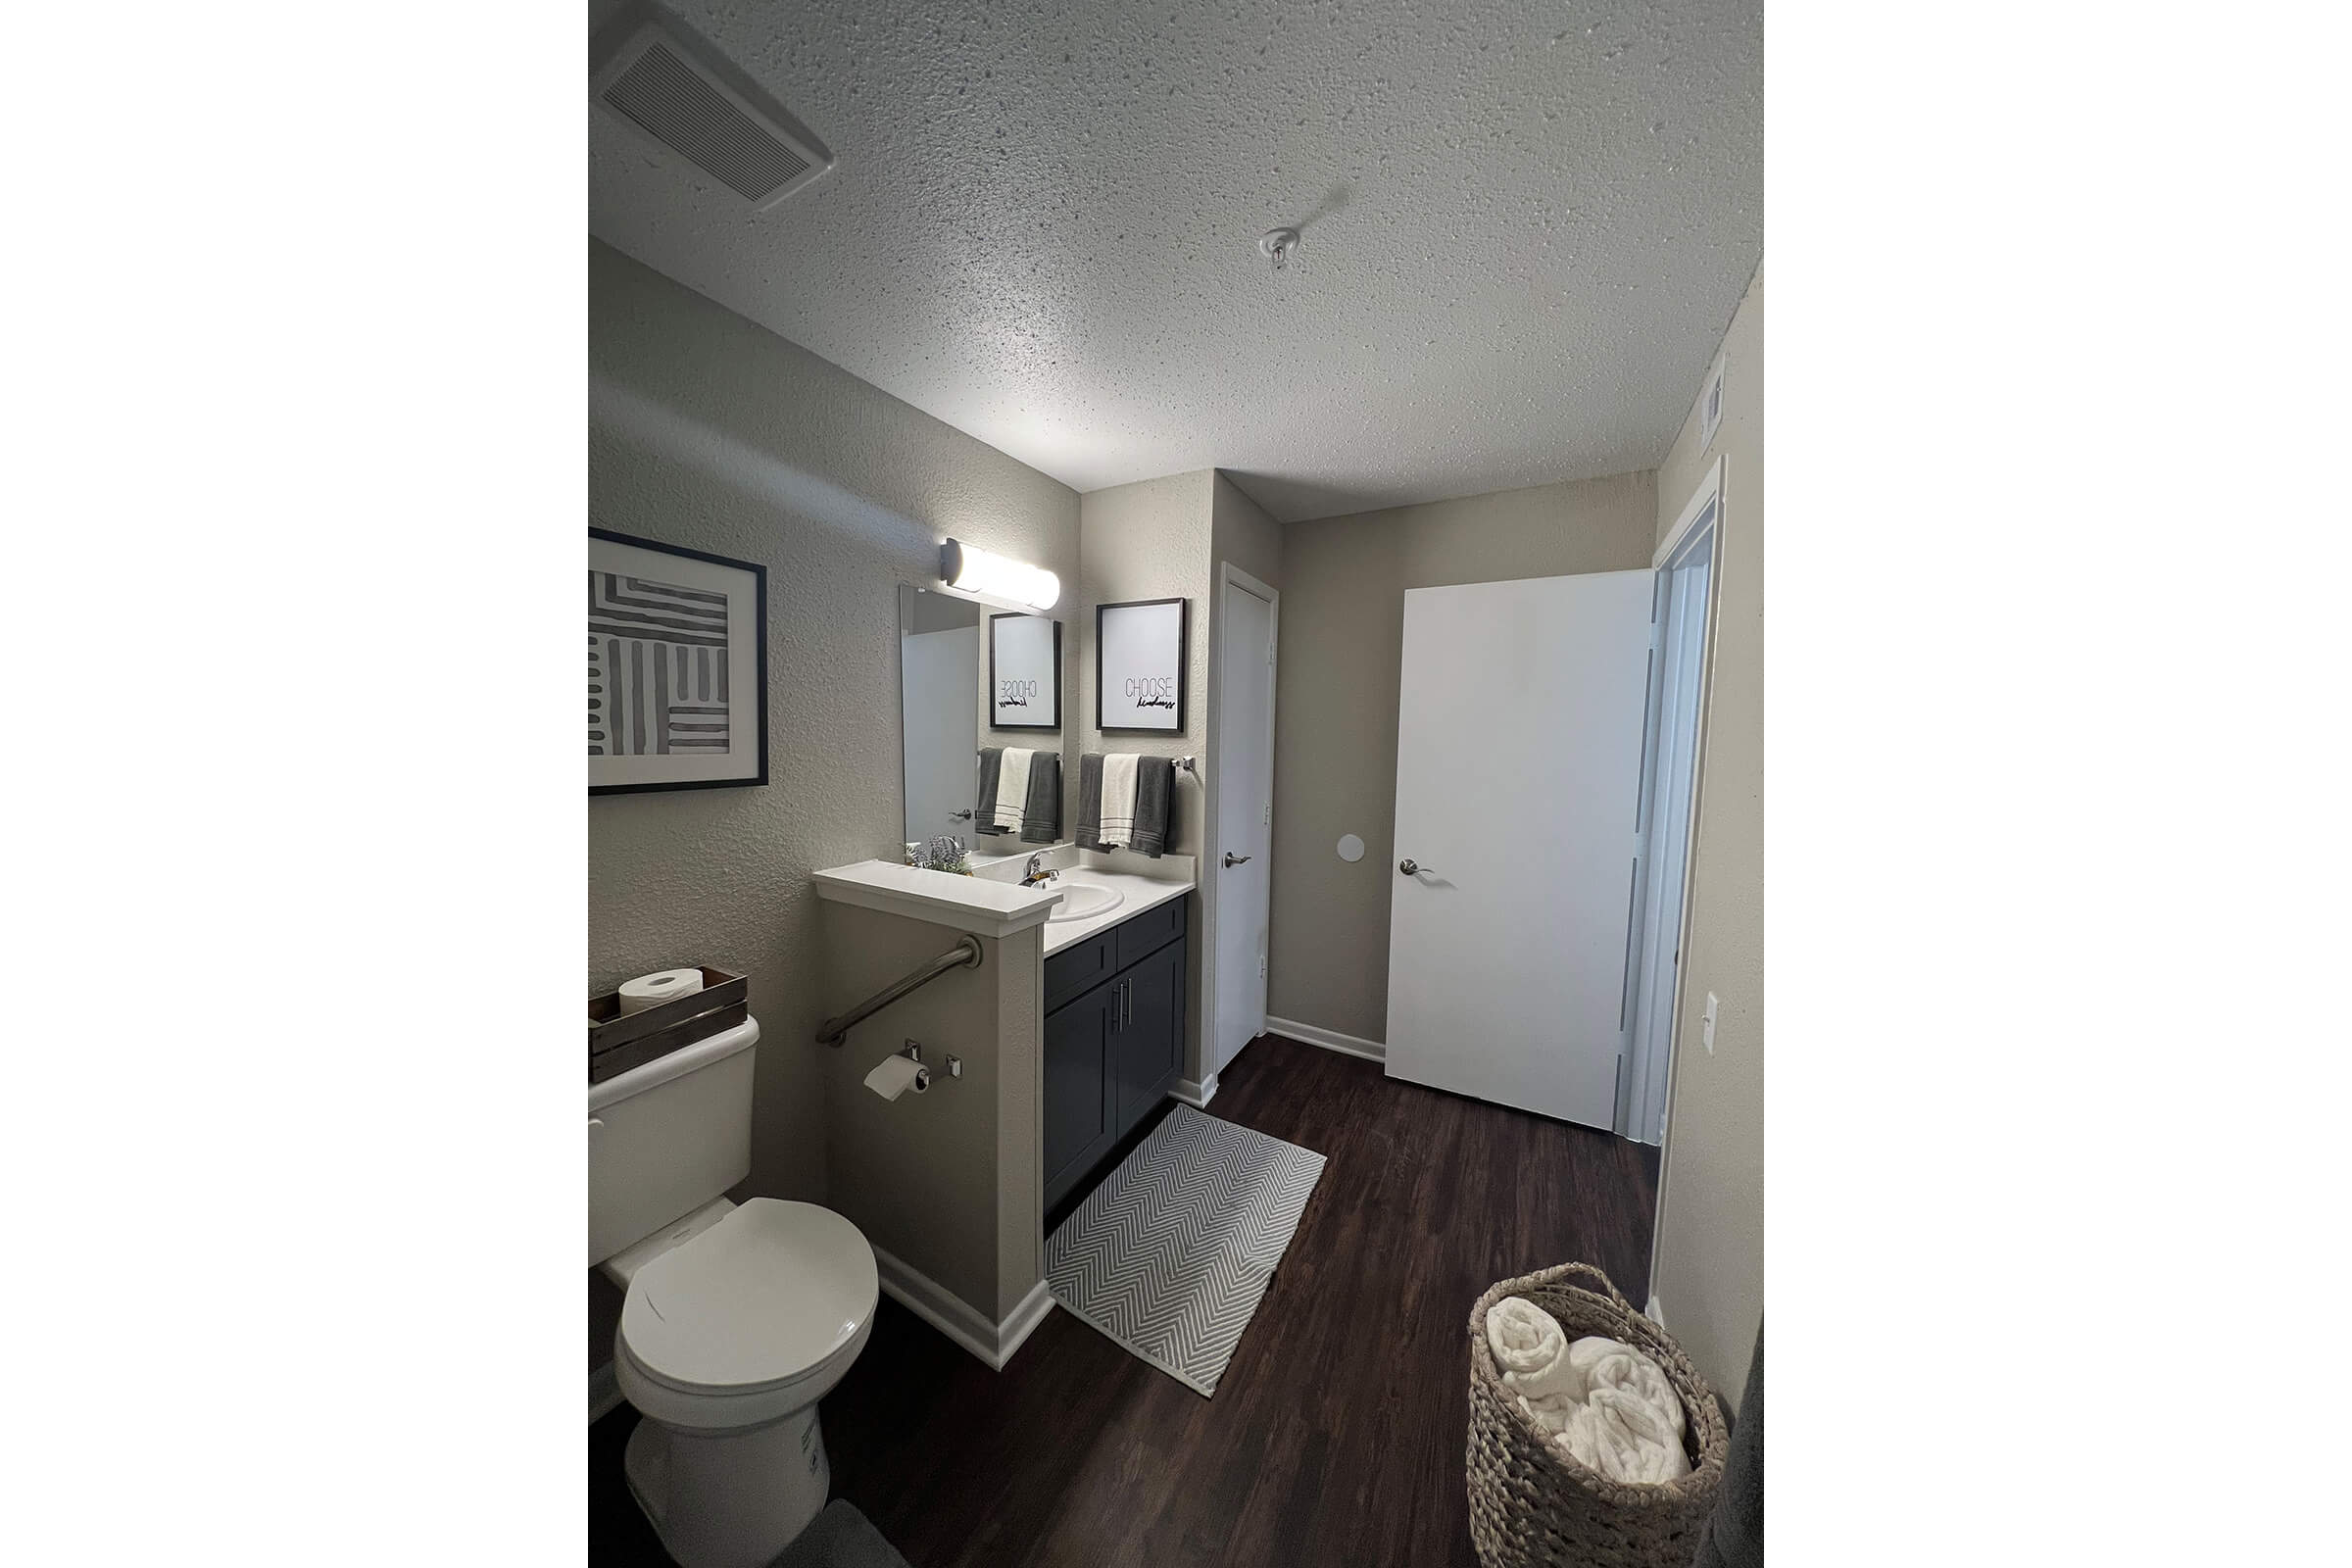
1183, 765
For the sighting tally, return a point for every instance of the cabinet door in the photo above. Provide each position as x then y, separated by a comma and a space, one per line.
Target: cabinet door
1078, 1087
1148, 1052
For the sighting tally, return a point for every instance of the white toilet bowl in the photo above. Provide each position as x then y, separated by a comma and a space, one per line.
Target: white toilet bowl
728, 1338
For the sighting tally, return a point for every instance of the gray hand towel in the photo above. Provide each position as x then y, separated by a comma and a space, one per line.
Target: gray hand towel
1090, 802
1041, 811
984, 814
1155, 782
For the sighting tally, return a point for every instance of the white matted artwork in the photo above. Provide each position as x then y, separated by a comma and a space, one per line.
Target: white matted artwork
677, 667
1024, 673
1140, 659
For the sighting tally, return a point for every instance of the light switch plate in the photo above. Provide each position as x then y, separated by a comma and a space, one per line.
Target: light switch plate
1706, 1026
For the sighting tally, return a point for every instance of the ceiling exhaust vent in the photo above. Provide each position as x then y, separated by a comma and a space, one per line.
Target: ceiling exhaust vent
677, 93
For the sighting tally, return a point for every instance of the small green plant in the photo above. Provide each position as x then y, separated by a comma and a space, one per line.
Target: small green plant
947, 852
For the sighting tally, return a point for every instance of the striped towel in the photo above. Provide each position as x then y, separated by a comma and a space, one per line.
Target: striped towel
1118, 799
1012, 788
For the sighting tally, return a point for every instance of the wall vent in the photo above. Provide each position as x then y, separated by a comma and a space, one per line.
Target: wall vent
675, 92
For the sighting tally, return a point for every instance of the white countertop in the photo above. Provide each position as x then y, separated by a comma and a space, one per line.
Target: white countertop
1142, 892
982, 905
992, 902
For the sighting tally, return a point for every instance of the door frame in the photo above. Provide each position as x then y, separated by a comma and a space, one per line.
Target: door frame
1712, 489
1640, 1116
1212, 825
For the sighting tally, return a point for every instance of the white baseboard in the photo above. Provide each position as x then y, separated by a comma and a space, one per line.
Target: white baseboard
1198, 1096
603, 1392
1656, 1311
1328, 1039
947, 1312
1015, 1331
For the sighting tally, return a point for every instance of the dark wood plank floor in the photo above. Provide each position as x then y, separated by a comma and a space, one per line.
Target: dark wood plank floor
1335, 1434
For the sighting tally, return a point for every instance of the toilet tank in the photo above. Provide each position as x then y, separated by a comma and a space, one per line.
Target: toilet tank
669, 1136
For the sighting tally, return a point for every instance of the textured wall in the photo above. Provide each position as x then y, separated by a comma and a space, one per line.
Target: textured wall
1153, 540
1335, 752
1245, 535
1150, 541
1708, 1258
920, 1175
708, 431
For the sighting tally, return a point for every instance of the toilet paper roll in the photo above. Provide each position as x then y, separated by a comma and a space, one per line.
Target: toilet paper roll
895, 1076
662, 985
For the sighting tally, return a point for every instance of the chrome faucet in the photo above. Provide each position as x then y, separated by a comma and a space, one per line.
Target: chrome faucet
1037, 871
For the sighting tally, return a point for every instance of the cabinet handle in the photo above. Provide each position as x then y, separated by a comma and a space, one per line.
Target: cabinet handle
1126, 1003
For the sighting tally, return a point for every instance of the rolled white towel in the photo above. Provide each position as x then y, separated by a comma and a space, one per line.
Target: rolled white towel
1531, 1349
1628, 1422
1606, 1404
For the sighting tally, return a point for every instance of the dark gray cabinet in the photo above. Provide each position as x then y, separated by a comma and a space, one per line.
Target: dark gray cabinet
1114, 1038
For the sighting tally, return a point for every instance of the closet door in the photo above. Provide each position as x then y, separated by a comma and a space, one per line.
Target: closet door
1519, 727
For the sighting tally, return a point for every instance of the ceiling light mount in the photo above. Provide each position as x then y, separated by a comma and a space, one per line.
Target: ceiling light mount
1278, 245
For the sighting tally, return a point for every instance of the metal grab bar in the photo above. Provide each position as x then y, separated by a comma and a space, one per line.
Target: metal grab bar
964, 955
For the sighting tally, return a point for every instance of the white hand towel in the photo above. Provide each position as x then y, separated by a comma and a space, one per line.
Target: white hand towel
1012, 786
1118, 800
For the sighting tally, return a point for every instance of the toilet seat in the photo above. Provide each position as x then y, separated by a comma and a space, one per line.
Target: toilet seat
748, 1320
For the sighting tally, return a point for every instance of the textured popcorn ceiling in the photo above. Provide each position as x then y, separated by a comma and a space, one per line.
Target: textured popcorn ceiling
1526, 226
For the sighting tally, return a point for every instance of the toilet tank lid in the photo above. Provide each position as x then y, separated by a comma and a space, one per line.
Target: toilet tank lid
678, 1063
756, 1300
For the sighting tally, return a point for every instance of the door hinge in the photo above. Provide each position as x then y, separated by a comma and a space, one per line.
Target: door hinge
1266, 817
1261, 968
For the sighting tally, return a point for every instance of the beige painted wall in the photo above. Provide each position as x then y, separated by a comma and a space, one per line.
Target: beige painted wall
1149, 540
707, 431
1335, 754
946, 1180
1708, 1265
1154, 540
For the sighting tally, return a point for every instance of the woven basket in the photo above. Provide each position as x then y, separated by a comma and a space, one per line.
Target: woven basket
1532, 1504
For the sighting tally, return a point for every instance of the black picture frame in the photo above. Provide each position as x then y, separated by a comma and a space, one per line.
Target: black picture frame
759, 630
1184, 660
1054, 685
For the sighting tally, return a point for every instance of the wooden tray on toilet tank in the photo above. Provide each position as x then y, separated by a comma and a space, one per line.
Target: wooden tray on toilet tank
617, 1041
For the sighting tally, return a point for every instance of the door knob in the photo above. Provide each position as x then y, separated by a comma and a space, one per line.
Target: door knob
964, 815
1232, 860
1411, 867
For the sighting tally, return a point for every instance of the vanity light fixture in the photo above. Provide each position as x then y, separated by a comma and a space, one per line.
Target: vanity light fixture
998, 578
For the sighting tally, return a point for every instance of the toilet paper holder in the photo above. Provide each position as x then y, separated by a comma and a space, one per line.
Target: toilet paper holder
912, 1051
914, 1054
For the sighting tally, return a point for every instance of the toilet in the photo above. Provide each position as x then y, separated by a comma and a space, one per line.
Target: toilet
738, 1318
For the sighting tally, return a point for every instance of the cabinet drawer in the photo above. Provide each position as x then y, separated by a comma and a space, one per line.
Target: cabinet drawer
1150, 931
1080, 966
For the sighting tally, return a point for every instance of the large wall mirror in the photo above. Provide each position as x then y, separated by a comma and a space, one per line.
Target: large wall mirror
971, 683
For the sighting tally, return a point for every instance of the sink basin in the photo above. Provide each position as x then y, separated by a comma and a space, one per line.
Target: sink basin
1081, 900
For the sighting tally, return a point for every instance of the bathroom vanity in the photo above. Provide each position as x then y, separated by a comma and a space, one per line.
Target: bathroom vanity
1114, 1030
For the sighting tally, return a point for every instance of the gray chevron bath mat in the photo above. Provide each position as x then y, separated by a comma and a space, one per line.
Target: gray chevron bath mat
1170, 1256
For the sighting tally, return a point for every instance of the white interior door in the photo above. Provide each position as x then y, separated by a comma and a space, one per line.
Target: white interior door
1245, 764
1519, 730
